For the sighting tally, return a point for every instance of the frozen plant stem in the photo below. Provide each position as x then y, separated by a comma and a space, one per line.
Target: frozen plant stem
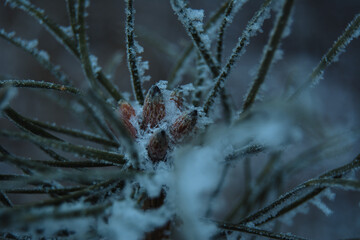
187, 53
75, 133
352, 31
83, 47
179, 7
271, 48
49, 24
40, 56
59, 35
231, 9
85, 151
72, 12
291, 199
131, 52
220, 39
39, 84
258, 232
237, 51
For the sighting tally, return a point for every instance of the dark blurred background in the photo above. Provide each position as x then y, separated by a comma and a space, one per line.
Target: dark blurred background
316, 25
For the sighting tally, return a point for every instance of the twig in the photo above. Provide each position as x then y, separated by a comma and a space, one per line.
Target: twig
42, 190
5, 200
84, 151
131, 52
231, 9
39, 84
352, 31
40, 55
22, 123
196, 36
187, 53
74, 164
258, 232
289, 200
268, 56
72, 12
62, 38
83, 47
49, 24
75, 133
237, 51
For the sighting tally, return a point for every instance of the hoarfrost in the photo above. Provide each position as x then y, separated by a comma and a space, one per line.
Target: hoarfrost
255, 26
143, 66
94, 64
234, 235
128, 222
317, 79
187, 89
320, 204
287, 30
138, 48
6, 95
279, 53
67, 30
44, 55
30, 44
342, 47
192, 19
196, 173
154, 184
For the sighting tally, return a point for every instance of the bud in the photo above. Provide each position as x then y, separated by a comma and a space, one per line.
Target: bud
158, 146
154, 108
183, 126
177, 98
126, 112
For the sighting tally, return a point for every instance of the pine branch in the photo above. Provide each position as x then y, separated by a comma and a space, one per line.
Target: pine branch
243, 152
12, 177
196, 36
46, 171
230, 11
62, 38
201, 71
72, 13
187, 53
43, 190
74, 133
250, 30
97, 119
352, 31
39, 84
74, 164
268, 56
26, 163
118, 129
41, 56
335, 183
49, 24
91, 190
5, 200
253, 196
290, 200
179, 8
83, 48
220, 38
131, 52
23, 124
257, 231
18, 215
83, 151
